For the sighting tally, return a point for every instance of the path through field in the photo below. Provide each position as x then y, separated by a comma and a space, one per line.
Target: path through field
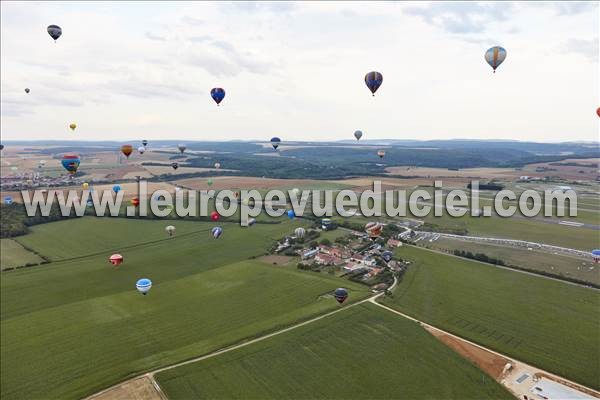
145, 387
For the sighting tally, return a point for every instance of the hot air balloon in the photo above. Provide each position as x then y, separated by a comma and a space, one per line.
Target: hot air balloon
116, 259
116, 188
42, 163
291, 214
300, 233
72, 125
340, 295
598, 111
181, 147
170, 230
217, 165
596, 255
215, 216
144, 143
209, 182
387, 255
90, 203
135, 201
373, 80
251, 221
127, 149
174, 165
7, 200
27, 90
70, 162
143, 285
373, 229
141, 149
54, 31
495, 56
1, 147
85, 185
275, 142
217, 95
381, 153
216, 232
358, 135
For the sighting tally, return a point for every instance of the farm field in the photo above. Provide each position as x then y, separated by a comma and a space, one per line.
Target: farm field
13, 254
572, 267
546, 323
93, 329
362, 352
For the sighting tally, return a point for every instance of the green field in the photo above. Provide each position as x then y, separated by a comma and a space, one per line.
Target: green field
73, 327
582, 269
543, 322
362, 352
12, 254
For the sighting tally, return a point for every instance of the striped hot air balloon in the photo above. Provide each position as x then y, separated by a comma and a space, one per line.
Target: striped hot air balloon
373, 80
70, 162
143, 285
495, 56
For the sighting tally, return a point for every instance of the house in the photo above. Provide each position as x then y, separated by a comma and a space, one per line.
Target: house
332, 251
326, 259
394, 243
364, 260
353, 267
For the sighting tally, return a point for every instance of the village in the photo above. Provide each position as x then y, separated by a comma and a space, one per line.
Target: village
355, 255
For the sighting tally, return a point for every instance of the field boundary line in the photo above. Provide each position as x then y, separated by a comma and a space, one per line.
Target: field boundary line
227, 349
428, 326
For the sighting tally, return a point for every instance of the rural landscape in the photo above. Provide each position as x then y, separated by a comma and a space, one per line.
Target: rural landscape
256, 244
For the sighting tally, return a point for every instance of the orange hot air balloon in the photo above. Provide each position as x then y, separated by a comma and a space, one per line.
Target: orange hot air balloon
127, 149
135, 202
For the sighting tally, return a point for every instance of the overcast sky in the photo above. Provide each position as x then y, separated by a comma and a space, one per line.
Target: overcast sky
296, 70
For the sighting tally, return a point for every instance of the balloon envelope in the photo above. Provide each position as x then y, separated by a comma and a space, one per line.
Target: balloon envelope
143, 285
141, 149
596, 255
373, 80
217, 165
116, 259
170, 229
116, 188
598, 111
73, 126
217, 94
54, 31
374, 229
209, 182
215, 216
144, 143
70, 162
495, 56
127, 149
381, 153
216, 232
340, 295
387, 255
300, 232
275, 142
358, 135
7, 200
181, 147
27, 90
291, 214
174, 165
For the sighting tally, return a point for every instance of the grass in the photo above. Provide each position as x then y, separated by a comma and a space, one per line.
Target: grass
12, 254
546, 323
362, 352
582, 269
71, 328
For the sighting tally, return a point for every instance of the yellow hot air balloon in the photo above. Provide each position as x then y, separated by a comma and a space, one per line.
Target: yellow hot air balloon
85, 185
73, 126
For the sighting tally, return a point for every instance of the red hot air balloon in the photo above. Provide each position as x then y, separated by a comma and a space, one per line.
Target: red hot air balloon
135, 201
127, 149
116, 259
215, 216
598, 111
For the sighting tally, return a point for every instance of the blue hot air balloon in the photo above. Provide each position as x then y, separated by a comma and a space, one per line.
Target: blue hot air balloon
340, 295
373, 80
117, 188
387, 255
143, 285
275, 142
596, 255
217, 94
495, 56
7, 200
291, 214
90, 203
71, 162
216, 232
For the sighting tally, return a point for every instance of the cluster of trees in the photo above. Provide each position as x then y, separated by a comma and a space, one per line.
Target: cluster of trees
15, 222
479, 257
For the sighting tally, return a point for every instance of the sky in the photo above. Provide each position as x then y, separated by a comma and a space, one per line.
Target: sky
132, 70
